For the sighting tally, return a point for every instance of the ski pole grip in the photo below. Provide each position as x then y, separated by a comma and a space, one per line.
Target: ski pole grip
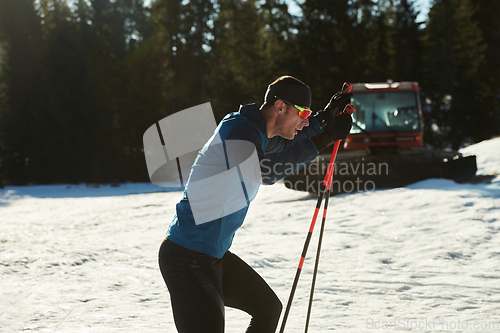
349, 109
346, 88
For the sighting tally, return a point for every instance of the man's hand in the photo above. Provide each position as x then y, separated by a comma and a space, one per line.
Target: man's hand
337, 129
336, 105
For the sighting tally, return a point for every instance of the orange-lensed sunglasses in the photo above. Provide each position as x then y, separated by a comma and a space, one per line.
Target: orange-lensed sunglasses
303, 112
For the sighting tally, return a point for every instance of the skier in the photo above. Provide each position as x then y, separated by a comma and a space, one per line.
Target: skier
201, 274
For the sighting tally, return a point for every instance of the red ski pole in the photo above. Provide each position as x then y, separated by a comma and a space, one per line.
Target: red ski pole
320, 240
327, 182
349, 109
309, 234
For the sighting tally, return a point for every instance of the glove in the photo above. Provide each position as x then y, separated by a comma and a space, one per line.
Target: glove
337, 129
333, 108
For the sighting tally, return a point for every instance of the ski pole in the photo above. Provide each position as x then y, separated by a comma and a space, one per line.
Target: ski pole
346, 88
326, 184
349, 109
318, 251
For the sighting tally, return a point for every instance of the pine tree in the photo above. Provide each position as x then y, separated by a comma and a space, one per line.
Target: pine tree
455, 51
488, 85
240, 67
365, 37
278, 29
325, 47
21, 40
65, 143
185, 29
406, 43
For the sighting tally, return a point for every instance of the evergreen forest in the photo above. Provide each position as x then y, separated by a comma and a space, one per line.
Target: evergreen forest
82, 80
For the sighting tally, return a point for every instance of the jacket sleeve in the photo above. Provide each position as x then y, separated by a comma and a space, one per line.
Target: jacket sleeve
276, 166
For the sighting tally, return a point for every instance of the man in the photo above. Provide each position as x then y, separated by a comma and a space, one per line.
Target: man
201, 274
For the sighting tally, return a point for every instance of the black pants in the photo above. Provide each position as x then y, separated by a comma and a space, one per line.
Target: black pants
200, 286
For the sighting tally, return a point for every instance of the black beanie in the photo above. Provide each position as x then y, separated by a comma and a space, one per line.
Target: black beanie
291, 89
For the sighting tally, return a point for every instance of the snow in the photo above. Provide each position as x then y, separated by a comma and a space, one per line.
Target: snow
488, 156
424, 257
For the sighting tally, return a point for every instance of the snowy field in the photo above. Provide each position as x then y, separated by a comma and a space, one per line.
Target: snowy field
421, 258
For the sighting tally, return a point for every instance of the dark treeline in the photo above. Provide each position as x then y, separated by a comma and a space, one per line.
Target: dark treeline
81, 81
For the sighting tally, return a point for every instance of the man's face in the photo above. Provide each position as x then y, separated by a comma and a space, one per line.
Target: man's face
291, 122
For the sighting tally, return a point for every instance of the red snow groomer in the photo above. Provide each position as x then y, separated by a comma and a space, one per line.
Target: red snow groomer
385, 148
388, 117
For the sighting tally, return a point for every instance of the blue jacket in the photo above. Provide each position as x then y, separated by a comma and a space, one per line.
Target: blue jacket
278, 156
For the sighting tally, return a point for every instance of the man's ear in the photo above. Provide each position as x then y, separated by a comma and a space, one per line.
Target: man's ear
280, 106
